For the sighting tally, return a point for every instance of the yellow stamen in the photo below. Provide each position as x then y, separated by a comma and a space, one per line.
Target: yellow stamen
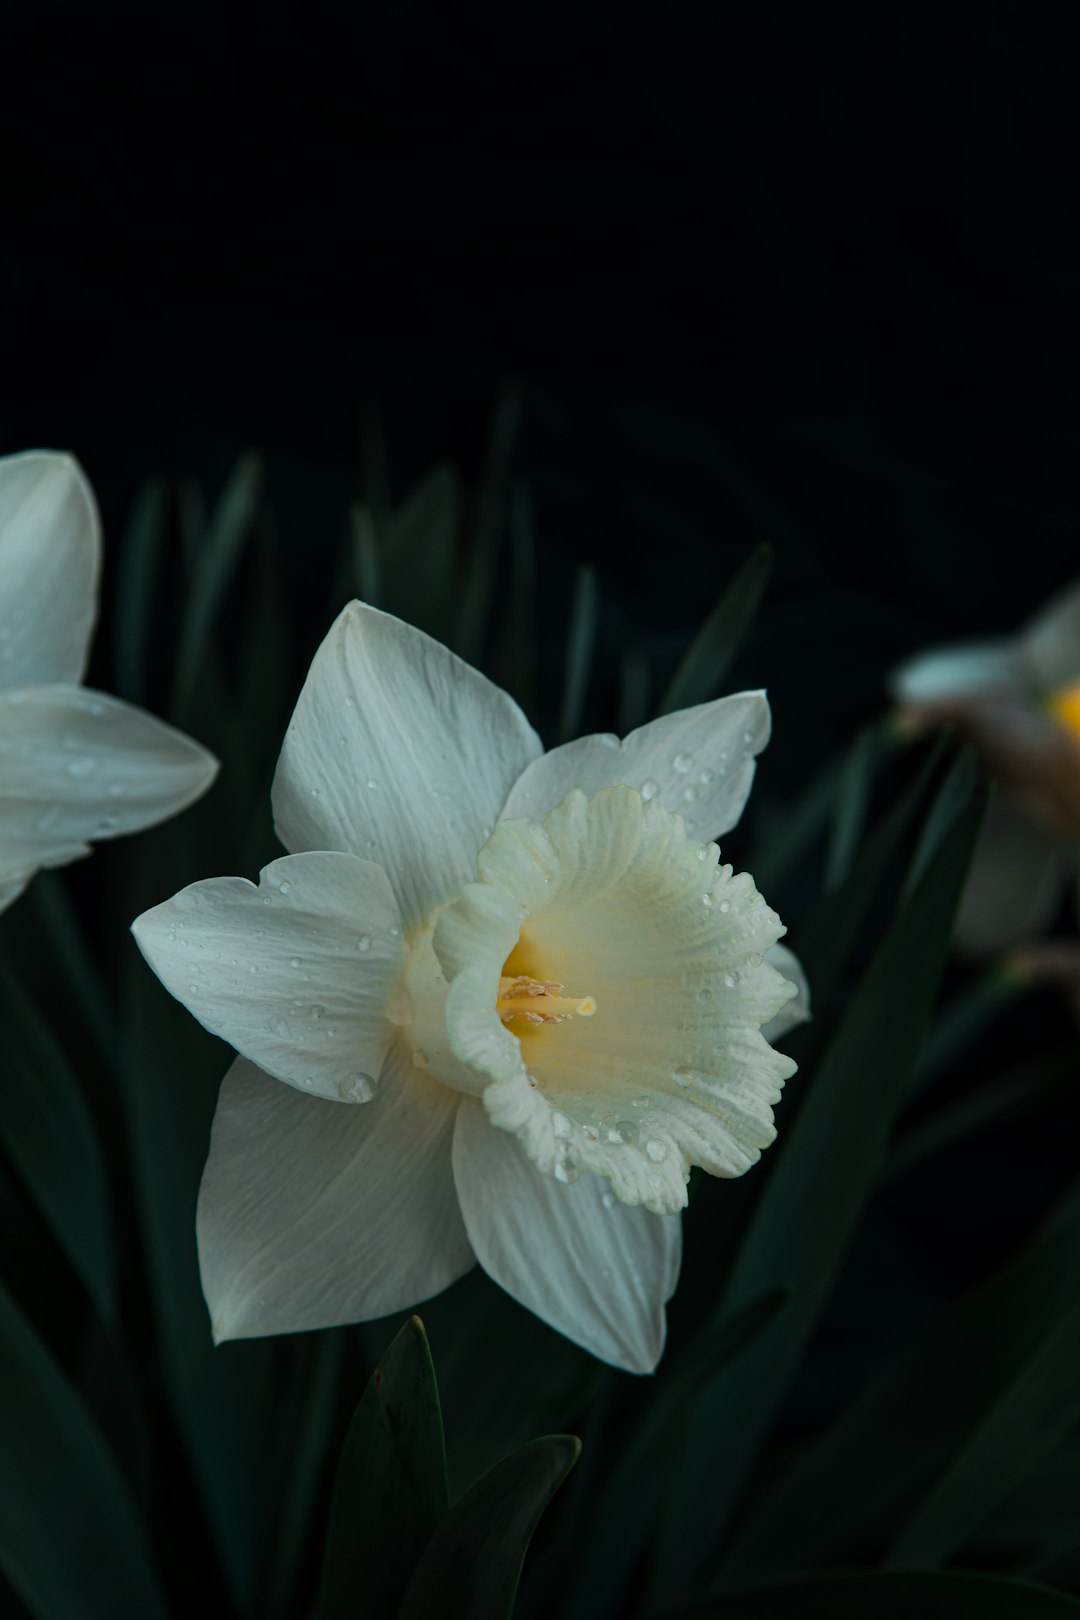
527, 1001
1064, 705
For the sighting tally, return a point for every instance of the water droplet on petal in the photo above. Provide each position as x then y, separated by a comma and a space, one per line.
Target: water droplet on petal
703, 850
560, 1124
364, 942
314, 793
590, 1133
690, 793
317, 1011
748, 736
420, 1060
358, 1088
80, 767
625, 1131
685, 1077
708, 898
725, 905
394, 931
704, 995
372, 782
284, 887
116, 790
608, 1200
656, 1150
706, 776
731, 980
294, 961
683, 762
193, 989
650, 789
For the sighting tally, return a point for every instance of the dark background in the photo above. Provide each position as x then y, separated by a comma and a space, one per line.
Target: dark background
799, 273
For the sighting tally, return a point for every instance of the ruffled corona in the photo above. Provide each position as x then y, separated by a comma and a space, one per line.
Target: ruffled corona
660, 1064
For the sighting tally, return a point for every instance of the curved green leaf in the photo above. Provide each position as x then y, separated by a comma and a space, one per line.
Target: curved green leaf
899, 1596
717, 644
472, 1565
390, 1493
71, 1543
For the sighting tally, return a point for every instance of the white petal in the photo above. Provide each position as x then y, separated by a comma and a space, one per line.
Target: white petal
594, 1270
76, 765
611, 900
50, 556
294, 973
964, 670
311, 1215
401, 753
797, 1011
1051, 642
1015, 884
697, 762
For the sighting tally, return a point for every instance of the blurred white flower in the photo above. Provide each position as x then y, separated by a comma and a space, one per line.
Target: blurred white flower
1017, 701
75, 765
546, 995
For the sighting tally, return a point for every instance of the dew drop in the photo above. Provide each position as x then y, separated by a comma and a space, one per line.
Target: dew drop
608, 1200
650, 789
683, 762
685, 1077
731, 980
704, 995
703, 850
533, 1081
193, 989
394, 931
560, 1124
625, 1131
358, 1088
314, 793
79, 767
420, 1060
706, 776
294, 961
317, 1011
364, 942
725, 905
590, 1133
372, 782
116, 790
284, 887
690, 793
656, 1150
108, 822
748, 736
708, 898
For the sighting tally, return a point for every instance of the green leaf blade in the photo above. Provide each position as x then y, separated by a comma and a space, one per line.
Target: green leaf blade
719, 641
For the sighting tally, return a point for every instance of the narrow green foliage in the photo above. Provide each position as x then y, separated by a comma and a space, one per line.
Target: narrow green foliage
472, 1565
966, 1017
415, 554
482, 561
851, 805
47, 1129
906, 1427
141, 550
946, 810
634, 683
71, 1544
307, 1445
898, 1596
809, 1209
390, 1494
213, 567
366, 561
626, 1510
580, 645
717, 644
1029, 1418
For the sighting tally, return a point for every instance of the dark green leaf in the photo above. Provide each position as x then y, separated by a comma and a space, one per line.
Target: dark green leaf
851, 805
810, 1206
634, 682
48, 1131
141, 550
472, 1565
966, 1017
418, 553
367, 564
71, 1543
213, 566
306, 1457
580, 642
899, 1596
481, 564
1028, 1419
390, 1493
712, 652
947, 809
905, 1427
626, 1509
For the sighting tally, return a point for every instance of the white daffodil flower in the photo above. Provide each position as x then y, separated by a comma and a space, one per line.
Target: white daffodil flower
543, 993
1017, 700
75, 765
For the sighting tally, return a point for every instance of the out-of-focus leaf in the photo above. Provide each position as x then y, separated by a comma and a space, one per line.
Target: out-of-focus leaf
580, 643
390, 1494
48, 1131
367, 564
303, 1468
625, 1510
946, 810
967, 1016
1024, 1088
716, 645
169, 1078
71, 1544
826, 939
141, 550
891, 1596
904, 1428
417, 553
1028, 1419
374, 461
633, 692
517, 648
807, 1213
71, 960
850, 806
472, 1565
481, 563
213, 566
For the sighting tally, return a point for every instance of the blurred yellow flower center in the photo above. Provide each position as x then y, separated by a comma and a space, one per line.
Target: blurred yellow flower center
1064, 705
